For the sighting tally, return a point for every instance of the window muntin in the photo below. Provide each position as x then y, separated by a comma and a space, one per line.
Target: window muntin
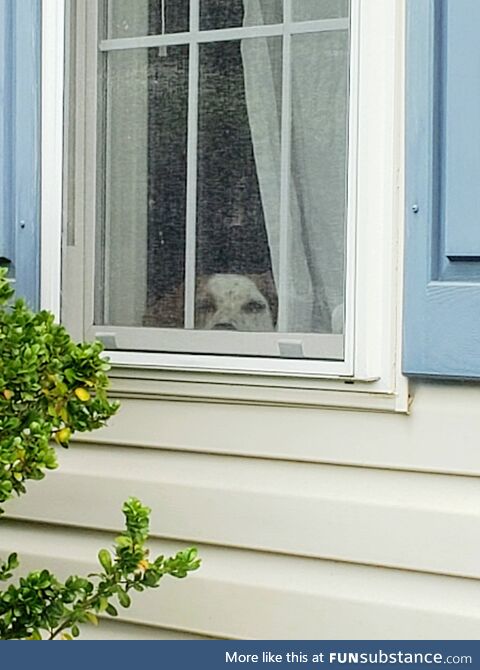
135, 18
293, 159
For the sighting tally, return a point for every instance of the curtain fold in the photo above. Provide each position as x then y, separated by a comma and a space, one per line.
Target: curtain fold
317, 199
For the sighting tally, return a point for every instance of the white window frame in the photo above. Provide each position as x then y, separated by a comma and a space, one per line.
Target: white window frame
370, 376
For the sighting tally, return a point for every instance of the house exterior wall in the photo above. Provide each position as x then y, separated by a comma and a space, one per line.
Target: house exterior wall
312, 523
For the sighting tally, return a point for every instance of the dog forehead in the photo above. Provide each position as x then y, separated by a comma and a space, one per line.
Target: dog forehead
233, 286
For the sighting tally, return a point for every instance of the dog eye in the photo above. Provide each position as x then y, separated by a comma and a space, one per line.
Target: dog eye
253, 307
205, 306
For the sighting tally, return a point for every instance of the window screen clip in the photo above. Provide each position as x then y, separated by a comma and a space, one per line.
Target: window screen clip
291, 348
109, 340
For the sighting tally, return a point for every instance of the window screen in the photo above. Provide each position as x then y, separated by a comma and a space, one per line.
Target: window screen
222, 175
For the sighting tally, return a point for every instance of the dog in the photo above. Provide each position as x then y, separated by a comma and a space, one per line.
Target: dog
223, 301
232, 302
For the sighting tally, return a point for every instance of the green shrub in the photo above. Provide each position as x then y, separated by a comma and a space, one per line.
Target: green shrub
50, 388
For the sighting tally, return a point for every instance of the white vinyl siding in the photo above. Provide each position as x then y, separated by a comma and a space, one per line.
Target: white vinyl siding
372, 532
118, 630
269, 505
253, 428
276, 597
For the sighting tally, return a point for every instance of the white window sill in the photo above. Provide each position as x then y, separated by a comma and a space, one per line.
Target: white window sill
155, 382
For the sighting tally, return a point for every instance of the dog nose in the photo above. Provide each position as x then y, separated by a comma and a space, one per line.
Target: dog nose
224, 325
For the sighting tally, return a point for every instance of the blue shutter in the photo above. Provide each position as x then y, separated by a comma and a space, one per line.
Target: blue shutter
442, 287
19, 142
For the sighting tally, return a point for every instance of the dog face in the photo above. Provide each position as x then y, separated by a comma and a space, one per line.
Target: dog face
223, 302
232, 302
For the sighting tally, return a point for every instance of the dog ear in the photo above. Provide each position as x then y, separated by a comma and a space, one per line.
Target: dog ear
266, 285
166, 311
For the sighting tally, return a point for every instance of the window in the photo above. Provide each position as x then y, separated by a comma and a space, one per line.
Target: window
222, 176
233, 174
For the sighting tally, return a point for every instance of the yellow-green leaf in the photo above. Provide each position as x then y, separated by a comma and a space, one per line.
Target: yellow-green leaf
105, 559
63, 435
82, 394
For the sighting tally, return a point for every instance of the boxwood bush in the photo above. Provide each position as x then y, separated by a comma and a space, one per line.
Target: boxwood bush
51, 388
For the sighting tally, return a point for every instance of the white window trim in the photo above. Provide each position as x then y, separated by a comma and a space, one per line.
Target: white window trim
376, 382
52, 73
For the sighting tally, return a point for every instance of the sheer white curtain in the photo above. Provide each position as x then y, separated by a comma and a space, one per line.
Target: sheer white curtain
316, 235
126, 128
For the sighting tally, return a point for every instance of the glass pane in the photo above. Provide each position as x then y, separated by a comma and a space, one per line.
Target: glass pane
137, 18
311, 10
238, 184
317, 214
264, 261
141, 245
217, 14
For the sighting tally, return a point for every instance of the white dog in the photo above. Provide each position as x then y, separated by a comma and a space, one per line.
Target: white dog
222, 302
232, 302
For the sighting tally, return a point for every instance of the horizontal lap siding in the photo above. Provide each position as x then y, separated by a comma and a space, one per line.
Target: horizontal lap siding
400, 519
292, 544
251, 595
118, 630
440, 435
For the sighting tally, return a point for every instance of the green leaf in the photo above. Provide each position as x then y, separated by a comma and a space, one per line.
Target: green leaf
12, 562
102, 604
123, 598
105, 559
110, 609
